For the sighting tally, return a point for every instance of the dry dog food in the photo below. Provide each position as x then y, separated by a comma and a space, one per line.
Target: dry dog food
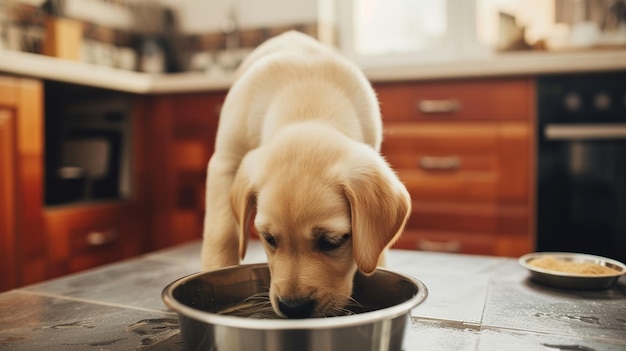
584, 268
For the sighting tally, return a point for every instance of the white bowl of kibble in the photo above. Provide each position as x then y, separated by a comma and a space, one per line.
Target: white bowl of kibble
573, 270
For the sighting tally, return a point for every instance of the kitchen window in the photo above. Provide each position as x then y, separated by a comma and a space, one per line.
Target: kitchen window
408, 32
392, 32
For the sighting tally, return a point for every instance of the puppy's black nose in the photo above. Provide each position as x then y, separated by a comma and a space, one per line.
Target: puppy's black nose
296, 308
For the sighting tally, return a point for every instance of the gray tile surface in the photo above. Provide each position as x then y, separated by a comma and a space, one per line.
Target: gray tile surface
454, 298
33, 322
441, 335
457, 284
528, 306
514, 340
474, 303
135, 283
189, 254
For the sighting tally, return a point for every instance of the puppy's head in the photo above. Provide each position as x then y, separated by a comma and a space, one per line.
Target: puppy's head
325, 206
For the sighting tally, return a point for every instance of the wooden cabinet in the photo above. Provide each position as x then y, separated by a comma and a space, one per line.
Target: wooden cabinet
86, 234
8, 262
39, 242
22, 238
180, 140
464, 151
463, 148
172, 140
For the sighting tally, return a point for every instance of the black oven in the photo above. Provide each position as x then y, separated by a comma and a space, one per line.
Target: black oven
88, 156
581, 189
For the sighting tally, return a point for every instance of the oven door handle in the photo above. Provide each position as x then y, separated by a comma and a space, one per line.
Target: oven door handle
585, 131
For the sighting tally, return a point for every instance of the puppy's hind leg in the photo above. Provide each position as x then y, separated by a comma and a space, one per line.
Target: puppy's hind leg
220, 246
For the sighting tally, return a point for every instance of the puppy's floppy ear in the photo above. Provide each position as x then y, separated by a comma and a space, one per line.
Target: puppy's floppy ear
380, 206
243, 202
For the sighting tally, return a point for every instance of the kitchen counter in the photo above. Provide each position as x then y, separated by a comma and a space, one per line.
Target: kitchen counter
474, 303
505, 64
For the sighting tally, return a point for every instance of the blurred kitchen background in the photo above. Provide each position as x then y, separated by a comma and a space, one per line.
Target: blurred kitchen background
506, 119
193, 35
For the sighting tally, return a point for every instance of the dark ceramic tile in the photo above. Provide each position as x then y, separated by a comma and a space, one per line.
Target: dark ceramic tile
531, 307
441, 335
137, 283
31, 322
525, 341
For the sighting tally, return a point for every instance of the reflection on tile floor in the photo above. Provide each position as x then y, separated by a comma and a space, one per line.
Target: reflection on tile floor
31, 322
441, 335
527, 341
535, 308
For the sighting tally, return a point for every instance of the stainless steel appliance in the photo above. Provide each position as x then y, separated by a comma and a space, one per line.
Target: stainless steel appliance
581, 199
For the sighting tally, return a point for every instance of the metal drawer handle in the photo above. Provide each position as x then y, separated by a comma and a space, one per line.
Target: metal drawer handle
439, 106
433, 163
97, 238
585, 131
439, 246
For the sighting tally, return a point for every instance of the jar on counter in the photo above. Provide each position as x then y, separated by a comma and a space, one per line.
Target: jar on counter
152, 56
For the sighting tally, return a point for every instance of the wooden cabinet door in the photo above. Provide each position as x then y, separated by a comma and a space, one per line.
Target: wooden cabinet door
22, 238
8, 263
179, 142
30, 172
464, 149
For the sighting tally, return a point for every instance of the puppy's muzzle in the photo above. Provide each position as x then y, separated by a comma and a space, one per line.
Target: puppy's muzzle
296, 308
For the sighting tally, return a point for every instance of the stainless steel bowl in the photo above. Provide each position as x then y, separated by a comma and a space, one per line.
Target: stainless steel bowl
388, 297
570, 280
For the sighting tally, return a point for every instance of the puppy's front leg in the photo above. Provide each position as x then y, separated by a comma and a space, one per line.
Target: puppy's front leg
220, 246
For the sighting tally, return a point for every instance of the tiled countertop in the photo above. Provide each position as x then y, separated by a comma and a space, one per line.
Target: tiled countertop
474, 303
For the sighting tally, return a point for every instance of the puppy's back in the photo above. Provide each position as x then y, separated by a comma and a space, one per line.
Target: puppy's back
292, 42
293, 57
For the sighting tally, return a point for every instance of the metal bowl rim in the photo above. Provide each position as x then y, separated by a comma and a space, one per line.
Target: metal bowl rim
525, 259
291, 324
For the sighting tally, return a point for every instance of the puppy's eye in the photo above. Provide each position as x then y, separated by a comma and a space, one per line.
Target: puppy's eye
269, 239
327, 244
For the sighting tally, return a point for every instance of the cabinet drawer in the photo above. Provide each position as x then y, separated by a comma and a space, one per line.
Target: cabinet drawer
461, 161
444, 161
88, 236
485, 99
439, 139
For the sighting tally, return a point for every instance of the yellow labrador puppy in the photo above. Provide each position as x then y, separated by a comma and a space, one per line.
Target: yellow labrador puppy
297, 159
